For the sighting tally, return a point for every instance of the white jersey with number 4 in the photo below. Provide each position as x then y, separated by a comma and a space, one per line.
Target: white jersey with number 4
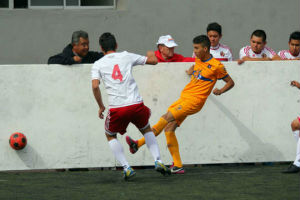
115, 71
267, 52
286, 54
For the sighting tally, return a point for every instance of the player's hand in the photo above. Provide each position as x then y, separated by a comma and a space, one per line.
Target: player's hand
295, 84
240, 61
190, 70
217, 91
77, 59
101, 110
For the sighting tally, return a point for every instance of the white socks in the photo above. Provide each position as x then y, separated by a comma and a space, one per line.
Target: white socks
297, 160
117, 148
152, 145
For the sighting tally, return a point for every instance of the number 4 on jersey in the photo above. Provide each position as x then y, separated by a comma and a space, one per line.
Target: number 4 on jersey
116, 74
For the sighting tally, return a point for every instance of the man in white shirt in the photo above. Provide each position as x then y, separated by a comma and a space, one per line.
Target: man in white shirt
219, 51
294, 48
257, 51
125, 103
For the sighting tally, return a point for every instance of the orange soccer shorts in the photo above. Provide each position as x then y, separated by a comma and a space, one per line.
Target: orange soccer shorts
181, 108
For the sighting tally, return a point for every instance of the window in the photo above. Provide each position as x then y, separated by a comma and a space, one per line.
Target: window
71, 3
63, 4
4, 4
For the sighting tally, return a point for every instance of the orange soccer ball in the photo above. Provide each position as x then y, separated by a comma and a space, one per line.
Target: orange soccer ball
17, 141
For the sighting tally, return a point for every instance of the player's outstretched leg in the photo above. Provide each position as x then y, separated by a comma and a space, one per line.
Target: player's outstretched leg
134, 145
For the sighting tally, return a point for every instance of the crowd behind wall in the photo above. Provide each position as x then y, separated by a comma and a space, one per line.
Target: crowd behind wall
138, 24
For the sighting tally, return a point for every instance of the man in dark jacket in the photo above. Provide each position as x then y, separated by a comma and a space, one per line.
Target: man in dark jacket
77, 52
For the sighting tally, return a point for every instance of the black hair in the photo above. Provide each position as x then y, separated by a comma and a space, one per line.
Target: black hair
203, 40
260, 33
295, 36
108, 42
214, 27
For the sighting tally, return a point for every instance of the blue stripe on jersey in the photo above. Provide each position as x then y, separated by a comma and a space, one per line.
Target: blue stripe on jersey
223, 77
203, 78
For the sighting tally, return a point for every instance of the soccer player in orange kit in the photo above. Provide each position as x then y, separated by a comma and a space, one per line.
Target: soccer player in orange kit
204, 74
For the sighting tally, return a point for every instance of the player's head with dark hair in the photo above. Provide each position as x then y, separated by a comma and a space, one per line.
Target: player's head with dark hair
294, 43
201, 45
80, 43
203, 40
260, 33
214, 27
258, 41
108, 42
295, 36
214, 33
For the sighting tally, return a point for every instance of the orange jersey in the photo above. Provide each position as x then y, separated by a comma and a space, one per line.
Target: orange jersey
203, 79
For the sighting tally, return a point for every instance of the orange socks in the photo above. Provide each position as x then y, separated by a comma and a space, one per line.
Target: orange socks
161, 124
173, 148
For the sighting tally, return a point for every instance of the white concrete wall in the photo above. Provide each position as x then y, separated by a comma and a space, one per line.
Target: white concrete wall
53, 106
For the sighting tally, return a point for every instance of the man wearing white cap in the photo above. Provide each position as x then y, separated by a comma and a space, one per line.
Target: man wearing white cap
165, 52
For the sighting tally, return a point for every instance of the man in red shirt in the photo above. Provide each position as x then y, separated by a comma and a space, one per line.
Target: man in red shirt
165, 52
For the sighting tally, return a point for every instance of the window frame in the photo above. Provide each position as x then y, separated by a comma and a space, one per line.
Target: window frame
64, 6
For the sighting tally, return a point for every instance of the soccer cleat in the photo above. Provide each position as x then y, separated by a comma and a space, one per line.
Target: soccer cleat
133, 144
292, 169
159, 167
177, 170
128, 173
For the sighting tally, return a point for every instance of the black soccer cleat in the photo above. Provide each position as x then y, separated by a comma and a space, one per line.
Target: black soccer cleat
292, 169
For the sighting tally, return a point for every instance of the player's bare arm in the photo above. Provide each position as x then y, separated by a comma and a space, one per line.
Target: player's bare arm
98, 97
247, 58
190, 70
295, 84
276, 57
229, 84
151, 58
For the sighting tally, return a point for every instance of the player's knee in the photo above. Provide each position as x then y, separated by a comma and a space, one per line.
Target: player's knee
295, 125
168, 116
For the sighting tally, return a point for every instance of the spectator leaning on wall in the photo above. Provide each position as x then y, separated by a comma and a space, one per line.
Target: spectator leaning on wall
294, 48
77, 52
257, 51
165, 51
219, 51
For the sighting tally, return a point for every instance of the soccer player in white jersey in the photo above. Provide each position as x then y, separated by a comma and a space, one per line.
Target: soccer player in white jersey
257, 51
294, 48
219, 51
125, 103
295, 125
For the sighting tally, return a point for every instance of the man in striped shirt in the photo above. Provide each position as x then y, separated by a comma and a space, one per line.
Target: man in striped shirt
257, 51
219, 51
294, 48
